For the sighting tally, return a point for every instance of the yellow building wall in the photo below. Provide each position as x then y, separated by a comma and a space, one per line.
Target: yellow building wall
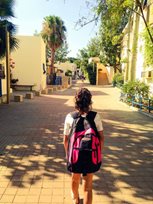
66, 66
140, 65
4, 86
29, 59
110, 71
140, 55
102, 75
124, 53
151, 12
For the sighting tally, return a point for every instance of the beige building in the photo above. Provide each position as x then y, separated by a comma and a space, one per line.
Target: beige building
65, 66
104, 74
133, 60
30, 62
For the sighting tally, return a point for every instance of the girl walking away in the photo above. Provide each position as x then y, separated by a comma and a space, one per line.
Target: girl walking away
83, 143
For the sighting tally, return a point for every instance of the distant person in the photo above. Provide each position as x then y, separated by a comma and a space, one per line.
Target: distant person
82, 78
83, 143
48, 79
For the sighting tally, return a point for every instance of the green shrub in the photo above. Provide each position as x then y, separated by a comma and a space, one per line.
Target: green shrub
136, 88
118, 79
91, 73
148, 46
68, 73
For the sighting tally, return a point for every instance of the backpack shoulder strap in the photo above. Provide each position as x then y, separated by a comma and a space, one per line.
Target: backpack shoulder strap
91, 115
76, 116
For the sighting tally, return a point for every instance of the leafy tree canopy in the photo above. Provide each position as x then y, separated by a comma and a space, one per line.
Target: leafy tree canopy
72, 59
93, 47
114, 15
6, 9
148, 47
6, 12
54, 35
61, 53
83, 58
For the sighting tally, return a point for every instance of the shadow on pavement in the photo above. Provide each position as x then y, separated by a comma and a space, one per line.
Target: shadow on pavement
126, 173
31, 143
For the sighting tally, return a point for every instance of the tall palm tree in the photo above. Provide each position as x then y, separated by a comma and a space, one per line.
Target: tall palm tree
54, 35
6, 12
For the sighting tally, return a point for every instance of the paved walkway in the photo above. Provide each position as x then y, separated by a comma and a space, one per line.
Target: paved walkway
32, 165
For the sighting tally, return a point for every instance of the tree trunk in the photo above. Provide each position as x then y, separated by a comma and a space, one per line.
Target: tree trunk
115, 68
51, 68
52, 61
144, 19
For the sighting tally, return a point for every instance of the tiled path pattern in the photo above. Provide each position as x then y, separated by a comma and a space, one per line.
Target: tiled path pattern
32, 163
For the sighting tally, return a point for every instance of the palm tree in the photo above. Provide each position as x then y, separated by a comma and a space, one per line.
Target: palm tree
54, 35
6, 12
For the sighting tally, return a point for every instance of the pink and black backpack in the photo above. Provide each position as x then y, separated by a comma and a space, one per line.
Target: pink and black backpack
84, 152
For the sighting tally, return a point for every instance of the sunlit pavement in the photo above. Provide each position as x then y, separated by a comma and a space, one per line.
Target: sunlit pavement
32, 163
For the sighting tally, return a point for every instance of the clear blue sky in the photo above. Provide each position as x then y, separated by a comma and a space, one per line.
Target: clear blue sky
29, 15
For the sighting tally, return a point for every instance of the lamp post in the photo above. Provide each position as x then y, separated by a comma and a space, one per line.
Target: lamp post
7, 63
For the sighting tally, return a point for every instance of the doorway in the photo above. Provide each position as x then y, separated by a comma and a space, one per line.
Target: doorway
102, 78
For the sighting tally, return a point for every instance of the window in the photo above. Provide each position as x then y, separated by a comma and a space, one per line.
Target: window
44, 69
149, 73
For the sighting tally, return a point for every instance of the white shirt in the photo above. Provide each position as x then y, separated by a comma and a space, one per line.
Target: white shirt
69, 120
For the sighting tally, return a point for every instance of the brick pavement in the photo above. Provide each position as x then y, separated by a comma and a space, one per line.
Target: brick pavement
32, 164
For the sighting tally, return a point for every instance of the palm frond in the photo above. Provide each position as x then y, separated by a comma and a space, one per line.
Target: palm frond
53, 31
11, 28
6, 9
